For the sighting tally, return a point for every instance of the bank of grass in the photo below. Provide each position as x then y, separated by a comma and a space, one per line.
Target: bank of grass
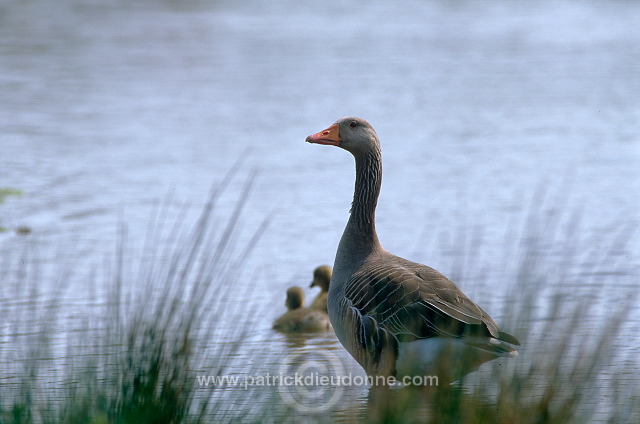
136, 360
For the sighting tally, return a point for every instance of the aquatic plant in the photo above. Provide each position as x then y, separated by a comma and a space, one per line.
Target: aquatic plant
572, 303
4, 193
137, 359
135, 362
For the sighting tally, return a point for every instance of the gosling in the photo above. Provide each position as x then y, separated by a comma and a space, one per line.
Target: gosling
299, 319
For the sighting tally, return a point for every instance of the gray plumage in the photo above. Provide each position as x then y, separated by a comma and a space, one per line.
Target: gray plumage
383, 308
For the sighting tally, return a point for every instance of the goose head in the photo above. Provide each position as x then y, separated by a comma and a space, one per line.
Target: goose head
355, 135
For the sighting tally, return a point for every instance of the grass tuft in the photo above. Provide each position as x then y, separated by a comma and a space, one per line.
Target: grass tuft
135, 362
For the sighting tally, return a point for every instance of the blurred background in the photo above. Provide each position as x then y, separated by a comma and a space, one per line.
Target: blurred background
489, 112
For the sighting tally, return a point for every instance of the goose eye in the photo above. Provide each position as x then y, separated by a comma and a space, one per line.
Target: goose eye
353, 124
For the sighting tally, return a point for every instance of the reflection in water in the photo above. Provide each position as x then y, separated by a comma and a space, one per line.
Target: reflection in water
298, 341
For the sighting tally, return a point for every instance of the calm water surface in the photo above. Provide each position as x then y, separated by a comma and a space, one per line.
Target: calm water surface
110, 107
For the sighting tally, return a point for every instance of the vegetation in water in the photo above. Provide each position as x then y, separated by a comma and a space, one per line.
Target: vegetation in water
4, 193
139, 355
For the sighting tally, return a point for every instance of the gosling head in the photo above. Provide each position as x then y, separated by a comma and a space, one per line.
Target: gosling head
295, 298
322, 277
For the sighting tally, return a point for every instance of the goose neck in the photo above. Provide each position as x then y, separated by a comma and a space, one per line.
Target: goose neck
362, 225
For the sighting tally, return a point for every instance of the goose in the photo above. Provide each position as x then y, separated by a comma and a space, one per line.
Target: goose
321, 278
394, 316
298, 318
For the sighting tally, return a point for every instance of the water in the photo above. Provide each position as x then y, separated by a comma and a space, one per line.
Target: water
110, 107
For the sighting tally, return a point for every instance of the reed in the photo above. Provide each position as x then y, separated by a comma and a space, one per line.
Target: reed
137, 359
572, 301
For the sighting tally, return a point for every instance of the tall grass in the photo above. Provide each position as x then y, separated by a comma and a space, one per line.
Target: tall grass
136, 359
135, 362
572, 303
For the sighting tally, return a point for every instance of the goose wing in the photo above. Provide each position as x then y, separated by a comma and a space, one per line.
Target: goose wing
411, 301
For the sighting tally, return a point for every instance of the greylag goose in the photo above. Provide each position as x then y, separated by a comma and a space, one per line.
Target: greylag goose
394, 316
321, 278
299, 319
